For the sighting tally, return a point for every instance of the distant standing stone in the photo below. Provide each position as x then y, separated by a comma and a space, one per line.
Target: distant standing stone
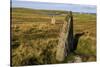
53, 20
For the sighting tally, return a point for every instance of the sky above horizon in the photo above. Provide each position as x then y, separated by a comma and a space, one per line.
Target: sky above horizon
55, 6
85, 2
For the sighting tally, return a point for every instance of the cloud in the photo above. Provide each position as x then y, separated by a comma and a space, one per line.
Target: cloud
85, 2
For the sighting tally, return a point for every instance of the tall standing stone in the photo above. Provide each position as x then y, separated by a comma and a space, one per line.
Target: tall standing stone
69, 39
65, 44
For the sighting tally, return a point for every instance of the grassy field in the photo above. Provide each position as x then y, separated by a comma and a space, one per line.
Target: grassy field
86, 23
34, 38
85, 35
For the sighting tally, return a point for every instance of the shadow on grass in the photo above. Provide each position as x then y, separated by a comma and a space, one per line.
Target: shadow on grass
76, 39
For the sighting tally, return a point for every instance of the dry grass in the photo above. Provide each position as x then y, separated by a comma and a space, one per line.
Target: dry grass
34, 38
35, 41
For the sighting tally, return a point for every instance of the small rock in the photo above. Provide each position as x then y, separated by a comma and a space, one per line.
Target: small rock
77, 59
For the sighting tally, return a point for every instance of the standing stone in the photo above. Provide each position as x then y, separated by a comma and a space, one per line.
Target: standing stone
65, 45
53, 20
69, 39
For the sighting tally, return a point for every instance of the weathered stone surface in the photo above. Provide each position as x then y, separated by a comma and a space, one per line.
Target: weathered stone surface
65, 44
60, 54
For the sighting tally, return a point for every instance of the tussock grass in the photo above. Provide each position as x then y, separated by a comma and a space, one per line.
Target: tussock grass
87, 43
34, 38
